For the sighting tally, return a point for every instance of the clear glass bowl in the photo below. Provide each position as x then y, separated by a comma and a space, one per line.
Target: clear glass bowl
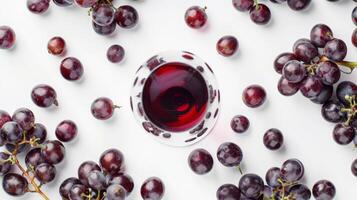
203, 125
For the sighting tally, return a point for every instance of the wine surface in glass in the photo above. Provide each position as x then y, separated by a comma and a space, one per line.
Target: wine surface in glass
175, 97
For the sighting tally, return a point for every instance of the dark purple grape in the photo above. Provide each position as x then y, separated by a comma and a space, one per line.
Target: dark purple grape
102, 14
354, 167
227, 45
71, 69
300, 192
324, 96
38, 132
331, 111
124, 180
281, 60
272, 176
112, 161
5, 164
229, 154
78, 192
268, 192
292, 170
24, 117
294, 71
286, 88
152, 189
7, 37
126, 16
44, 96
104, 30
85, 169
228, 192
343, 134
335, 50
45, 173
329, 72
56, 46
12, 131
115, 53
14, 184
200, 161
240, 123
243, 5
311, 86
97, 180
4, 117
354, 15
66, 186
260, 14
116, 192
273, 139
344, 89
63, 3
102, 108
251, 185
320, 34
66, 131
53, 152
86, 3
298, 4
254, 96
324, 190
305, 51
33, 158
354, 37
38, 6
196, 17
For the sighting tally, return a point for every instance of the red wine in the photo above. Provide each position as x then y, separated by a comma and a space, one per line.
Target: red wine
175, 97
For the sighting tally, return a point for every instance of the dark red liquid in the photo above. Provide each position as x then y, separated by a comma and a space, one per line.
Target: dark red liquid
175, 97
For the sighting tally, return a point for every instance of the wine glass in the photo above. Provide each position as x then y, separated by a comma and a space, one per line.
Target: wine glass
175, 98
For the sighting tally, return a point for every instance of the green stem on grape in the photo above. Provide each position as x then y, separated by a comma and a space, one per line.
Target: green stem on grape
240, 169
116, 107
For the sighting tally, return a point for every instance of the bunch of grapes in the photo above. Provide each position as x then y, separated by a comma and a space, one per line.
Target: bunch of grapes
105, 16
20, 134
314, 67
105, 180
260, 13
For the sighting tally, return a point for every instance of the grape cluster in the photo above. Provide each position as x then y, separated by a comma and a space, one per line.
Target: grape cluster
105, 16
20, 133
314, 68
260, 13
107, 180
282, 183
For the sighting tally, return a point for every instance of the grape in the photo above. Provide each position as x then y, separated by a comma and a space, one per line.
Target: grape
311, 87
24, 117
324, 96
281, 60
243, 5
152, 189
66, 186
14, 184
112, 161
45, 172
63, 3
116, 192
345, 88
287, 88
343, 134
273, 139
103, 14
200, 161
331, 111
85, 169
272, 176
260, 14
300, 192
305, 51
251, 185
292, 170
329, 72
324, 190
294, 71
34, 158
66, 131
229, 154
126, 16
335, 50
39, 132
228, 192
298, 4
53, 152
124, 180
96, 180
38, 6
12, 132
320, 34
77, 192
5, 164
7, 37
104, 30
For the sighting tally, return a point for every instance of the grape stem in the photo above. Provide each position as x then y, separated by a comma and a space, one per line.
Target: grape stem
36, 187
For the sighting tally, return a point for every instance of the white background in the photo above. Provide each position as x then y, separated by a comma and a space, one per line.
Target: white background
161, 27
